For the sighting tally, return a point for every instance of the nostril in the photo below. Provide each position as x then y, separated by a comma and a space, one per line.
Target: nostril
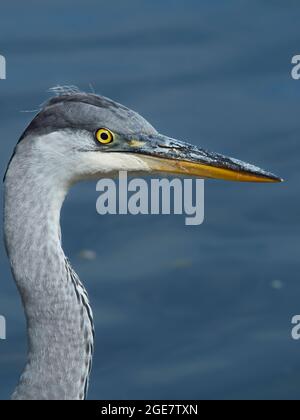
170, 147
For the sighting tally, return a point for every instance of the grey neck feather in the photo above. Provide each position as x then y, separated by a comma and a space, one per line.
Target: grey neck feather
59, 319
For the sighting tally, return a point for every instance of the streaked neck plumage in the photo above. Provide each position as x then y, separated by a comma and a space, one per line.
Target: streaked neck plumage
59, 319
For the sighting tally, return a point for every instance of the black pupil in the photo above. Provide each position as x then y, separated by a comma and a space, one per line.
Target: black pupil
104, 136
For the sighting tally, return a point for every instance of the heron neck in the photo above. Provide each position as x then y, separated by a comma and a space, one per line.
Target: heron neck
59, 323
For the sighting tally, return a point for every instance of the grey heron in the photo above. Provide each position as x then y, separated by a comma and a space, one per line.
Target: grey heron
78, 136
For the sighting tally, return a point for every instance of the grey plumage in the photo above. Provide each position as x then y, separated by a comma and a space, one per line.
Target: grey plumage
59, 148
72, 110
85, 112
59, 318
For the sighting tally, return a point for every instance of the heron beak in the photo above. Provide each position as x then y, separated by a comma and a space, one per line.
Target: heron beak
167, 155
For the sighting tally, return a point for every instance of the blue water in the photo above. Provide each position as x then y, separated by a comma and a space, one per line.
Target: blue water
181, 312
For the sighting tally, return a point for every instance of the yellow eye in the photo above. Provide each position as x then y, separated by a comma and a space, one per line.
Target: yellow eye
104, 136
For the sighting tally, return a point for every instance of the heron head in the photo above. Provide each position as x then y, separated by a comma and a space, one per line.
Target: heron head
87, 136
